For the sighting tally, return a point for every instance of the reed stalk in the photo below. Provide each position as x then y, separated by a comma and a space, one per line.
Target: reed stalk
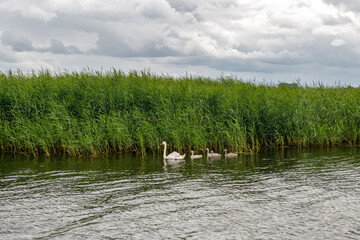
93, 113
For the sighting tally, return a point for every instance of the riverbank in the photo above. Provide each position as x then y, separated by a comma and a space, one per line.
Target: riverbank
97, 113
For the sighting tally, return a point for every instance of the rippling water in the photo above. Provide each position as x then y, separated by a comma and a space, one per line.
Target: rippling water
286, 195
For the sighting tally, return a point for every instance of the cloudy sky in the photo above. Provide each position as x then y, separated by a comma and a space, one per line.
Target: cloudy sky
284, 40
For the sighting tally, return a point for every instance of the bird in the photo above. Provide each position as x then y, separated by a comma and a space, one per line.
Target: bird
212, 154
195, 156
230, 155
174, 155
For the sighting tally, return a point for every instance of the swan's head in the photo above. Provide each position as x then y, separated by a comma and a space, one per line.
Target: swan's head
207, 149
163, 143
192, 151
225, 150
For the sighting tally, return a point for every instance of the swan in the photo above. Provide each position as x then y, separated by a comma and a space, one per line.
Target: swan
230, 155
212, 154
195, 156
173, 155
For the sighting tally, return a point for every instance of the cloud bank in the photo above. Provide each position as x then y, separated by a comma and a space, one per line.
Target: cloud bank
280, 41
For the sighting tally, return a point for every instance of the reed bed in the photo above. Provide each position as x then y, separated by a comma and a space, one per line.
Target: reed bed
94, 113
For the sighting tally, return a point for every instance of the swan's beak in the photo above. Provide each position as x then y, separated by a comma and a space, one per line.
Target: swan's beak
161, 144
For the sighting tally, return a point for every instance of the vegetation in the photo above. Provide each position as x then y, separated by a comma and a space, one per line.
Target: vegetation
102, 112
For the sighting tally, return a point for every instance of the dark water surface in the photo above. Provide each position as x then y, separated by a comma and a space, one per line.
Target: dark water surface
283, 195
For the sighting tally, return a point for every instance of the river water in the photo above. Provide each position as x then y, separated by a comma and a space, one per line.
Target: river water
279, 195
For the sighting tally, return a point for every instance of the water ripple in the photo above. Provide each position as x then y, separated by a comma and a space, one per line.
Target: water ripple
306, 197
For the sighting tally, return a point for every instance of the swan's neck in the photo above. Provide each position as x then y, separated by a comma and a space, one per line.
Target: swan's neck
164, 150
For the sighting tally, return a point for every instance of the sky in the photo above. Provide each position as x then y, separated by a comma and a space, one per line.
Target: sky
310, 41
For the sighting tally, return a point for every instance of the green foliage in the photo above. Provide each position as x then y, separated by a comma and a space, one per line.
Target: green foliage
104, 112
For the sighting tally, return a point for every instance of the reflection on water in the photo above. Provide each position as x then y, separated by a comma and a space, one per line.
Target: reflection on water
281, 195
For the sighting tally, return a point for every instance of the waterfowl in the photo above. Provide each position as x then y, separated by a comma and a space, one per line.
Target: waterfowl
173, 155
230, 155
195, 156
212, 154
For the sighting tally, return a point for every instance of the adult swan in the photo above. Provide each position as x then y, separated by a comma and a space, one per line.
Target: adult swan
173, 155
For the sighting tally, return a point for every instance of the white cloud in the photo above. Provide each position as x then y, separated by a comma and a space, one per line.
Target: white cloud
37, 13
337, 42
31, 9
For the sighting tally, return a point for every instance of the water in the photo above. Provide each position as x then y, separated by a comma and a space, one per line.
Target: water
283, 195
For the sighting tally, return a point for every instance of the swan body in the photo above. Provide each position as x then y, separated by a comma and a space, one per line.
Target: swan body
174, 155
180, 157
195, 156
212, 154
230, 155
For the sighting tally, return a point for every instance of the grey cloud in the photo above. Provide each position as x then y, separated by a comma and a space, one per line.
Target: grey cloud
154, 49
284, 60
243, 65
16, 42
338, 20
183, 5
110, 45
155, 11
173, 34
6, 57
21, 44
58, 47
283, 22
231, 64
117, 47
302, 5
190, 6
342, 57
349, 5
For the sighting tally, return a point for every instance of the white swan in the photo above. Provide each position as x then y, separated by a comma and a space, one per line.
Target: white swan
230, 155
212, 154
195, 156
173, 155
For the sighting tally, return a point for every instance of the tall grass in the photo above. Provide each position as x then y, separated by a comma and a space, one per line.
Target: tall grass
94, 112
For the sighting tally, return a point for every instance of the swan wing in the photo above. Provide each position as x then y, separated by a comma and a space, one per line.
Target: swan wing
174, 154
179, 157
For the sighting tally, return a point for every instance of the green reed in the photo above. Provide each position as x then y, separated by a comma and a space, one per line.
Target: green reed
93, 113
